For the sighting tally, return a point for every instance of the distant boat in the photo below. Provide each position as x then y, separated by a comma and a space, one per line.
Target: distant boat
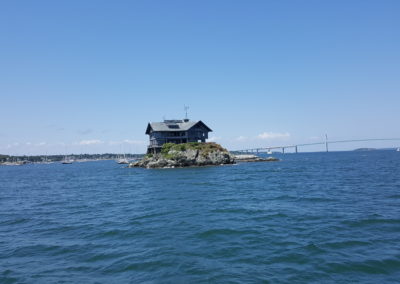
67, 160
269, 152
46, 160
398, 149
123, 160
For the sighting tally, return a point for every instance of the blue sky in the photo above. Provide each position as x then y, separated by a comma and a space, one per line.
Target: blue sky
87, 76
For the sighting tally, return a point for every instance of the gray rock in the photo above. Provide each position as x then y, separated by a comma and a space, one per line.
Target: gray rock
187, 158
254, 158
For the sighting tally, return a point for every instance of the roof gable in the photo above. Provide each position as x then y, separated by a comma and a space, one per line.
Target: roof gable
203, 124
174, 125
148, 128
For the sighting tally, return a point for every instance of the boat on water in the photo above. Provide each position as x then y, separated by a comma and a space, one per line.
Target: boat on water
67, 160
122, 160
398, 149
45, 160
269, 152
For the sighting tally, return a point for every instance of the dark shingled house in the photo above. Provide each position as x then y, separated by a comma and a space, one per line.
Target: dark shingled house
175, 131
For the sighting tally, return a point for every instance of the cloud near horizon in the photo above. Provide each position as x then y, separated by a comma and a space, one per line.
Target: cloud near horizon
241, 138
90, 142
273, 135
264, 136
214, 138
127, 141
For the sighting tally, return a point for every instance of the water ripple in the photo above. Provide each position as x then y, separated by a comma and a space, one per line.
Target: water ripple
311, 218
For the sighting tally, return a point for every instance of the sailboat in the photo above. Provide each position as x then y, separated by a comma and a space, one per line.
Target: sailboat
123, 160
45, 160
398, 149
67, 160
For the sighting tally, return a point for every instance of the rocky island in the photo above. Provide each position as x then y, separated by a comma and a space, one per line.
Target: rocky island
190, 154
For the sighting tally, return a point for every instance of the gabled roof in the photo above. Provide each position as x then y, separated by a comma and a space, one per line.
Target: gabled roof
174, 125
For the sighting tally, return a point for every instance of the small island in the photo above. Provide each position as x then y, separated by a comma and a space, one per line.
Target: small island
191, 154
182, 143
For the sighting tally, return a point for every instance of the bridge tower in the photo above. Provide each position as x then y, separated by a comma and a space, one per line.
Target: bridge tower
326, 142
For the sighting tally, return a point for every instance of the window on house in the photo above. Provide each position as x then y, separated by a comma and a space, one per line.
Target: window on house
173, 126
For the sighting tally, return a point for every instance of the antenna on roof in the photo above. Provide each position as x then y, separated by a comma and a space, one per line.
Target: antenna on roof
186, 111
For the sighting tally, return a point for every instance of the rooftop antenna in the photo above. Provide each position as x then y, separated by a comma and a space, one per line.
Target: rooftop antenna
186, 111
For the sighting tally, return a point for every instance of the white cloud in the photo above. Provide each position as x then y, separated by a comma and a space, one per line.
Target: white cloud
127, 141
214, 138
16, 144
134, 142
273, 135
91, 142
241, 138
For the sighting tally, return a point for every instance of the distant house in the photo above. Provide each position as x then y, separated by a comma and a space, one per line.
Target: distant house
175, 131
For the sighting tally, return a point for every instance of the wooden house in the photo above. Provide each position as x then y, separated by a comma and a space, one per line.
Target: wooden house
175, 131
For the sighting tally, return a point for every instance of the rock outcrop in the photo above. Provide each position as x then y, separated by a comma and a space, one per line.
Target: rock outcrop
254, 158
186, 155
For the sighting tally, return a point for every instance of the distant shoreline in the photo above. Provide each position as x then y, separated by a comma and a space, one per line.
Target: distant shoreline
79, 158
43, 159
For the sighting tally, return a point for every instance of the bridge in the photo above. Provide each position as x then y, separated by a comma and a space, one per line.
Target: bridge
296, 146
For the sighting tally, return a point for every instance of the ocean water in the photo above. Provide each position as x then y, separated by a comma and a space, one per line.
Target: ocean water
311, 218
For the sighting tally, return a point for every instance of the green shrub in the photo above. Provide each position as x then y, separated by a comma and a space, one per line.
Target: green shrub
204, 148
170, 156
193, 145
166, 148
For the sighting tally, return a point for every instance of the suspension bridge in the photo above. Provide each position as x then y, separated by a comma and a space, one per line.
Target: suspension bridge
296, 147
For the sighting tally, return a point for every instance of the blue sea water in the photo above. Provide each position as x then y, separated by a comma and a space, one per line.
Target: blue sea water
311, 218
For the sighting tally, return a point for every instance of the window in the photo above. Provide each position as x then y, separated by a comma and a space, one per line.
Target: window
173, 126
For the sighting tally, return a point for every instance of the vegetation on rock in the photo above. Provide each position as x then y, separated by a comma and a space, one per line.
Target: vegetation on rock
173, 151
186, 155
205, 148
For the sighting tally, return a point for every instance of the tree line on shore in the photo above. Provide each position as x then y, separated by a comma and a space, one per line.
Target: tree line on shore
57, 158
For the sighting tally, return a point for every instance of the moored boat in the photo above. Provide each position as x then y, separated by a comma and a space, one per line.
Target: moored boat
122, 160
67, 161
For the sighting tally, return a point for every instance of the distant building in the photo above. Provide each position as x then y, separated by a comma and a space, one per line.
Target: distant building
175, 131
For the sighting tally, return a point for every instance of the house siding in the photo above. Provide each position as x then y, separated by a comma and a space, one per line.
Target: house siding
197, 133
